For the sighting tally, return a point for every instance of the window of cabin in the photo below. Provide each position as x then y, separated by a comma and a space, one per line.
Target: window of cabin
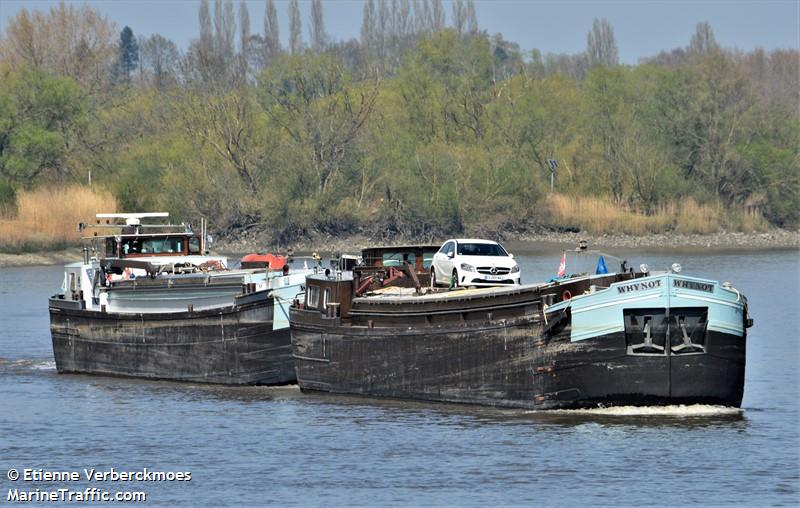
427, 259
111, 247
391, 259
162, 246
169, 245
325, 296
398, 258
151, 246
312, 297
347, 264
131, 246
194, 245
174, 245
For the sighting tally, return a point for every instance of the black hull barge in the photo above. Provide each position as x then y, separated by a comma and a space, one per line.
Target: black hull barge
233, 345
156, 305
618, 341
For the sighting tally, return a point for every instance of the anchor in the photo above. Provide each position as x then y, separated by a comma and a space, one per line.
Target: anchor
687, 345
647, 346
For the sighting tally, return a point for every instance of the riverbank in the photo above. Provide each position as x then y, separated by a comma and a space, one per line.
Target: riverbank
40, 258
777, 239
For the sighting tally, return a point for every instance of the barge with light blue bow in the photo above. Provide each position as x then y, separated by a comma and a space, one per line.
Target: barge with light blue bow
625, 338
659, 338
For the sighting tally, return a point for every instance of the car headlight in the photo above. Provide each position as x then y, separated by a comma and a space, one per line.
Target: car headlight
515, 269
467, 267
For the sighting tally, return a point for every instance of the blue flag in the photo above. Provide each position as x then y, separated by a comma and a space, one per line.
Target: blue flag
601, 266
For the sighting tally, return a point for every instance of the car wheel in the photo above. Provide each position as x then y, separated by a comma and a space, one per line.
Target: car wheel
454, 280
433, 278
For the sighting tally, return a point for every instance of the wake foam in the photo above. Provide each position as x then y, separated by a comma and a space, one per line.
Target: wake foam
677, 411
26, 364
43, 365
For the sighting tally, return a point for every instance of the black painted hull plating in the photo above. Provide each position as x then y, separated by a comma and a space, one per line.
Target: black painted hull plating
235, 345
511, 365
601, 372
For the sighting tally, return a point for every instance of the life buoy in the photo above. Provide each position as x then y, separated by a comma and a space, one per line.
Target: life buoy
566, 295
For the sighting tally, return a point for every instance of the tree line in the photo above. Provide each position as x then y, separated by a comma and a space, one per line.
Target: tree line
426, 125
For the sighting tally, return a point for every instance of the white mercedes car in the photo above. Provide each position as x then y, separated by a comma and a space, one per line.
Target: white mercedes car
469, 262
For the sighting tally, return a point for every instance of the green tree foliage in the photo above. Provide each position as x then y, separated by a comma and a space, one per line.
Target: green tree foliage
776, 171
314, 101
41, 117
705, 109
416, 129
127, 54
446, 86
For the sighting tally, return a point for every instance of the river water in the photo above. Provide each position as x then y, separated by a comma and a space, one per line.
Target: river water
277, 446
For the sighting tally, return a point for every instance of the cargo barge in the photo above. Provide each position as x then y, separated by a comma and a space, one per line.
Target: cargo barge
157, 306
625, 338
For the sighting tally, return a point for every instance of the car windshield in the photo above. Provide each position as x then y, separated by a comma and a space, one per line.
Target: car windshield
481, 249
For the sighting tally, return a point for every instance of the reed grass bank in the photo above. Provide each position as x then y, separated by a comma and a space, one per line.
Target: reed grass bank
601, 216
47, 218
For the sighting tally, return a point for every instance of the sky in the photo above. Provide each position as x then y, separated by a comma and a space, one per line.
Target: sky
642, 28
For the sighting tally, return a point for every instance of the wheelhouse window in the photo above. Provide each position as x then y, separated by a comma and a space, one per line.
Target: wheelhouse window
111, 247
427, 258
148, 246
398, 258
194, 245
312, 296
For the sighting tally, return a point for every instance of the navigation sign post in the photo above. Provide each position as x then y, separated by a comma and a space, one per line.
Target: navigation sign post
553, 164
